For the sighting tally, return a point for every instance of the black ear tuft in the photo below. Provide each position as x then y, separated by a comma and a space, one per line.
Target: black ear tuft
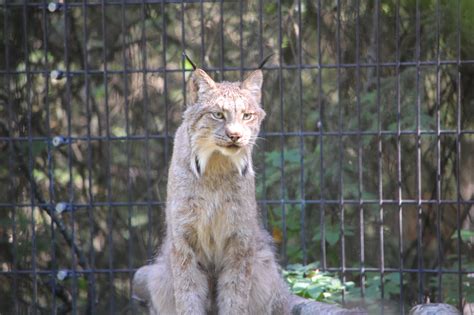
190, 61
264, 61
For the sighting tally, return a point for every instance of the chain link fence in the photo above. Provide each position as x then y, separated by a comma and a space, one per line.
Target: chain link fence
365, 166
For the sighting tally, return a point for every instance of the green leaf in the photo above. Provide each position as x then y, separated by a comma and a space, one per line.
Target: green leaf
315, 291
300, 286
465, 235
188, 65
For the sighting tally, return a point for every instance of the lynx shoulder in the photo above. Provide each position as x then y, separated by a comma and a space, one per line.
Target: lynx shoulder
216, 257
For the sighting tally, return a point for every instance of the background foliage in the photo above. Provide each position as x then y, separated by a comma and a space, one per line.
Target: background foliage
122, 123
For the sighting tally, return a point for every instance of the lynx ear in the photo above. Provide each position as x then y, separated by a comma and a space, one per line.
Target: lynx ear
198, 84
203, 81
191, 91
253, 84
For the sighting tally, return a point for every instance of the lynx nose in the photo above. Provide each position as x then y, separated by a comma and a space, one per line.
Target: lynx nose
233, 135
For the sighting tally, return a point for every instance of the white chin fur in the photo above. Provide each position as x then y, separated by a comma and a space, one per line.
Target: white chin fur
229, 151
237, 156
200, 159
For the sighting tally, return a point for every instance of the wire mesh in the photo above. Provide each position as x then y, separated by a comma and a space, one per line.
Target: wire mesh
365, 163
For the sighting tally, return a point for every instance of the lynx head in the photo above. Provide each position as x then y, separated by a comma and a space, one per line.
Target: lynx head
224, 119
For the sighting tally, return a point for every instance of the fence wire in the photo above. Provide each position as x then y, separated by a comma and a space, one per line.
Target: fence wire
365, 166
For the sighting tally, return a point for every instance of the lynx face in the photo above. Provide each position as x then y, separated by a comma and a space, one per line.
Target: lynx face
225, 119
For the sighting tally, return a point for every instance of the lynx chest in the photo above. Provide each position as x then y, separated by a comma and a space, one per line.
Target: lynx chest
219, 217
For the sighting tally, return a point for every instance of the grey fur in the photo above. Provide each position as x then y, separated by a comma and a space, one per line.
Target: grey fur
216, 257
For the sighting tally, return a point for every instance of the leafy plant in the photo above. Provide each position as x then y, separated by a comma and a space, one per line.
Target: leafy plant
309, 282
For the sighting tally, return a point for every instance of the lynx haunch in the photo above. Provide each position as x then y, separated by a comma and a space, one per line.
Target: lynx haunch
216, 257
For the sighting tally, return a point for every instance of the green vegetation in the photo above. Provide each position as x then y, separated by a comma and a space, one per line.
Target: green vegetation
309, 282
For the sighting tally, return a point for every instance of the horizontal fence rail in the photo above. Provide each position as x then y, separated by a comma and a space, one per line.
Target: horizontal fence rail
365, 163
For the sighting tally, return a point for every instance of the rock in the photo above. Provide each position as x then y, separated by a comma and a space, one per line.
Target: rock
434, 309
301, 306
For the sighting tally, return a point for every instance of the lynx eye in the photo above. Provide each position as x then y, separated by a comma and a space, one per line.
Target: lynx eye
217, 115
247, 116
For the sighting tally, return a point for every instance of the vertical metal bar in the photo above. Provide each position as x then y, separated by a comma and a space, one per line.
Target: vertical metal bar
165, 81
203, 51
241, 39
399, 158
90, 196
340, 147
183, 48
221, 41
109, 160
69, 155
11, 153
419, 209
458, 151
320, 125
359, 156
128, 152
147, 135
301, 140
379, 156
49, 164
438, 156
262, 151
282, 137
30, 155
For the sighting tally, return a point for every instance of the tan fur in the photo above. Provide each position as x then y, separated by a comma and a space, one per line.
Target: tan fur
216, 257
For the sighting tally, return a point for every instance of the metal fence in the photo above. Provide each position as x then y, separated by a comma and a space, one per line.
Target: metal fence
365, 166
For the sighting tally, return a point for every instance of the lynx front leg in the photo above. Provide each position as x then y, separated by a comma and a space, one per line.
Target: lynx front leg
190, 283
235, 279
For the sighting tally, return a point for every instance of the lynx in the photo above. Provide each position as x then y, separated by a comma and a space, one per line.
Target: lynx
216, 257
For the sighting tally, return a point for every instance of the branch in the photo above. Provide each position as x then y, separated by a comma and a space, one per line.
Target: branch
372, 53
82, 261
60, 291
